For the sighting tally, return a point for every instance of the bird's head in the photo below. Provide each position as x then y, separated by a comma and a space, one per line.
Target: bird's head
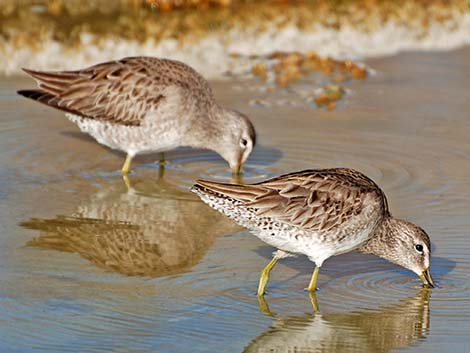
237, 140
405, 244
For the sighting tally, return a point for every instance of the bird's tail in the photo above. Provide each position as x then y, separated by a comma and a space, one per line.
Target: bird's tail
242, 193
47, 99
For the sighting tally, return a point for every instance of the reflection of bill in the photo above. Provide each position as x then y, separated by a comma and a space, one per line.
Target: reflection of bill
390, 327
153, 230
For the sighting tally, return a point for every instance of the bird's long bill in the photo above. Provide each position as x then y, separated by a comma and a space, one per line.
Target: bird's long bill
426, 278
237, 170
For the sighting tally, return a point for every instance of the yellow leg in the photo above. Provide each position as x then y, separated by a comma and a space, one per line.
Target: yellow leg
313, 300
312, 287
127, 165
161, 163
265, 276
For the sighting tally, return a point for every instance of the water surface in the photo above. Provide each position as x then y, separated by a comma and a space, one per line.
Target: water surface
89, 265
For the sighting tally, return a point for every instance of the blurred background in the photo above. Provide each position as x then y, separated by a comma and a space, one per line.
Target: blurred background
218, 36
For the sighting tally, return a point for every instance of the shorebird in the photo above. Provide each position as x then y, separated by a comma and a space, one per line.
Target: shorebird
321, 213
145, 104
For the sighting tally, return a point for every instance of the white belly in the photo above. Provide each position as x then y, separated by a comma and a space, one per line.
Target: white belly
130, 139
317, 246
297, 241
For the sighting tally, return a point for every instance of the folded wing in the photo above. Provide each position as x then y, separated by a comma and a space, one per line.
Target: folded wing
313, 199
122, 91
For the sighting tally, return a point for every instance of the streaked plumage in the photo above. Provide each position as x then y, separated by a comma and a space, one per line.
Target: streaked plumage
145, 104
319, 213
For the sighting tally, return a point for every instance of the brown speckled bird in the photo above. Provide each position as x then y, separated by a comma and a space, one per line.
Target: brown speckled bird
321, 213
145, 104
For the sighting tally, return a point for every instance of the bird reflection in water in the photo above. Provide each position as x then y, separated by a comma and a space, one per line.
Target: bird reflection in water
152, 229
390, 327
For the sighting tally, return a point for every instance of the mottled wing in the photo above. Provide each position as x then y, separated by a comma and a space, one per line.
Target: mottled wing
122, 92
312, 199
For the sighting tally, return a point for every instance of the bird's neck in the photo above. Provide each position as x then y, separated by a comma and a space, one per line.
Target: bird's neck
381, 242
204, 129
207, 129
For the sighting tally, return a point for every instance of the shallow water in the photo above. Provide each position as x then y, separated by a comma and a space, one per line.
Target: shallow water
87, 265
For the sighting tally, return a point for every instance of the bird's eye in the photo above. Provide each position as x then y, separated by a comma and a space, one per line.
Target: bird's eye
243, 143
419, 247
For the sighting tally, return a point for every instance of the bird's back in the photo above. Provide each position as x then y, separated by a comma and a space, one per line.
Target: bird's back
329, 207
122, 91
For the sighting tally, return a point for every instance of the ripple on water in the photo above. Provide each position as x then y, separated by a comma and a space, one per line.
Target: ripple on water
79, 303
184, 166
402, 170
401, 174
